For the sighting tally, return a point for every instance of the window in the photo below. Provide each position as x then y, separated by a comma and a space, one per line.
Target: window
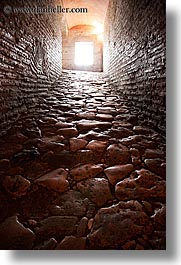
84, 53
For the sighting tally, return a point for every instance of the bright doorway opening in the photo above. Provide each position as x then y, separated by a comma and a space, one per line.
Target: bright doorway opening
84, 53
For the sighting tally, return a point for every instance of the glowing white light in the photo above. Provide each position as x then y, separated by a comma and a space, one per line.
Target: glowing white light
98, 28
83, 53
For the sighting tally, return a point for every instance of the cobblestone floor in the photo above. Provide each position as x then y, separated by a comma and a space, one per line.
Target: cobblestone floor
82, 174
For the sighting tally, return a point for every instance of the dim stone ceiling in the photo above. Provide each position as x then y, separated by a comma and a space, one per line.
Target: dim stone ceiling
95, 16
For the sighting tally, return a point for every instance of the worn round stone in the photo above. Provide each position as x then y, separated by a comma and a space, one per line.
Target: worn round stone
142, 130
138, 140
92, 135
56, 227
118, 172
120, 132
104, 117
117, 154
45, 146
130, 245
55, 180
14, 235
107, 110
49, 244
139, 247
122, 124
68, 132
97, 146
134, 139
85, 125
70, 203
77, 144
157, 166
87, 157
96, 189
72, 243
146, 185
16, 186
49, 120
61, 124
115, 225
153, 153
86, 115
33, 132
86, 171
53, 138
82, 228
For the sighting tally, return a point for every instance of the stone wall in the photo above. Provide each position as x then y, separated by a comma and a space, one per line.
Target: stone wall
31, 58
82, 33
134, 55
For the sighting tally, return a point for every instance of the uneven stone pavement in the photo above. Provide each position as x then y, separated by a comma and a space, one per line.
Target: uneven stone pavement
83, 173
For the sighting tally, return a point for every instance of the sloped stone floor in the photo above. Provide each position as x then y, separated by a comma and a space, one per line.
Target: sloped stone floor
82, 174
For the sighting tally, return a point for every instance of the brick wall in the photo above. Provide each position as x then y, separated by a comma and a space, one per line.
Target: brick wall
134, 55
82, 33
30, 58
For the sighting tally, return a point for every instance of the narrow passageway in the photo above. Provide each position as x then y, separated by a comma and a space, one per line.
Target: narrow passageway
83, 173
82, 125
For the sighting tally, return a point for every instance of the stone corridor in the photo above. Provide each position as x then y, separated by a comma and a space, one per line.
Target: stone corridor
83, 173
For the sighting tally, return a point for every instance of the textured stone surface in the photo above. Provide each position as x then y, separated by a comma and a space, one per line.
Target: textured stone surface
135, 156
117, 224
82, 227
156, 166
14, 235
146, 185
17, 138
57, 227
117, 154
47, 245
71, 203
45, 146
116, 173
72, 243
73, 178
56, 180
120, 132
96, 189
16, 186
142, 130
97, 146
9, 149
68, 132
4, 165
77, 144
152, 153
86, 171
85, 125
104, 117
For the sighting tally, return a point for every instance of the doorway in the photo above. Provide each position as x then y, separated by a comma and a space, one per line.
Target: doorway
84, 53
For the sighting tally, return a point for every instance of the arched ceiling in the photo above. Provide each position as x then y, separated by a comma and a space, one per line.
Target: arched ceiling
95, 16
